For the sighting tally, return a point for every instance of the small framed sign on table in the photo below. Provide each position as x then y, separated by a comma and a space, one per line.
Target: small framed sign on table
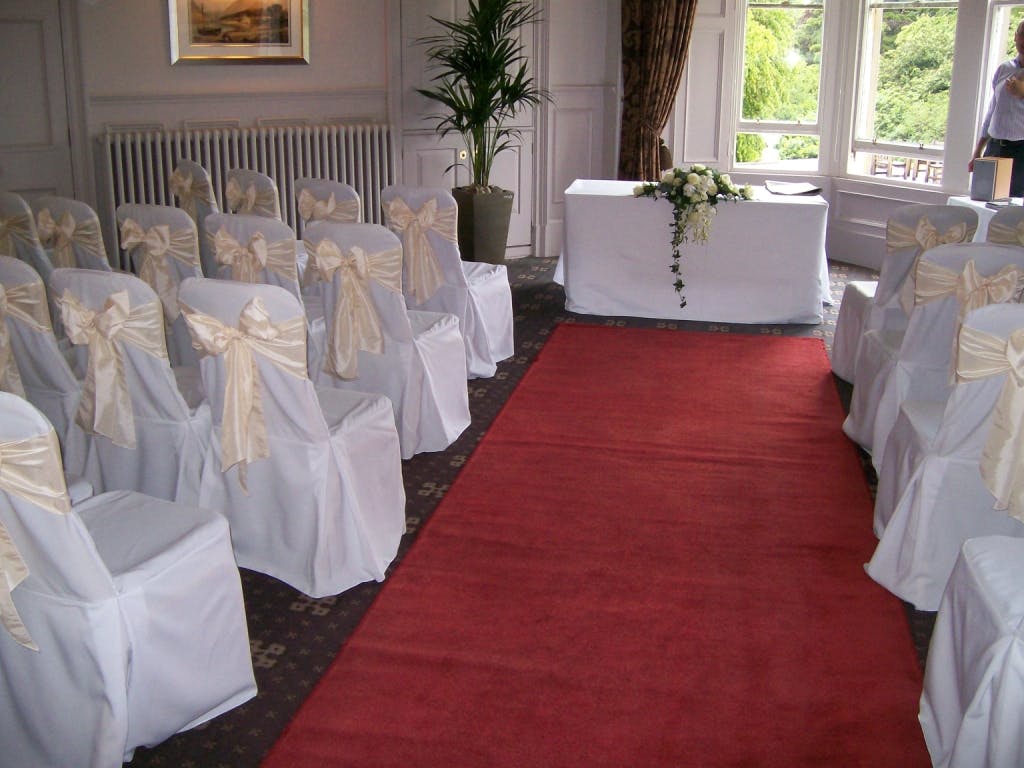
245, 31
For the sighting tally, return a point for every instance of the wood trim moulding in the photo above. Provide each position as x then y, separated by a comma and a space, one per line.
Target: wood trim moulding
361, 94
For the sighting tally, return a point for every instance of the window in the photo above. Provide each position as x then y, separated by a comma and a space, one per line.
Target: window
778, 125
903, 77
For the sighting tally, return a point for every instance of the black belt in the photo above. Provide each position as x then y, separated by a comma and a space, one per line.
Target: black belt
1008, 143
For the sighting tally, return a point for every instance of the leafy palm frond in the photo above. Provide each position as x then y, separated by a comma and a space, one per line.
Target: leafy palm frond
482, 78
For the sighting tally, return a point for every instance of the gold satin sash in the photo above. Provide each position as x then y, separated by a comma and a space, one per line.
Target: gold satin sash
923, 237
312, 209
12, 228
10, 376
972, 289
1002, 459
31, 470
250, 199
106, 407
1000, 234
247, 261
243, 436
355, 324
188, 189
425, 274
155, 245
63, 235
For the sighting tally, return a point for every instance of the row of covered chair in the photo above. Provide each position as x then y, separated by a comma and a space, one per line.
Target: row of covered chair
938, 393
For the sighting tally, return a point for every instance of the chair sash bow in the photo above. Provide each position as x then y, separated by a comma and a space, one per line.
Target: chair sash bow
243, 427
14, 228
64, 234
1001, 234
922, 237
355, 324
106, 407
251, 199
154, 246
313, 209
425, 275
28, 470
25, 303
1002, 459
190, 190
248, 261
972, 288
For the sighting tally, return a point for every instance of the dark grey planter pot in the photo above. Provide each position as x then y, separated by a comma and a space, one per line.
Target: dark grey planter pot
483, 223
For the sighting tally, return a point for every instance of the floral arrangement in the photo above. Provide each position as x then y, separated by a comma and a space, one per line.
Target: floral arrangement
694, 193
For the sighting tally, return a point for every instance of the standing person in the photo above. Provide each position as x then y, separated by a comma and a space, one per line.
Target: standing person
1002, 131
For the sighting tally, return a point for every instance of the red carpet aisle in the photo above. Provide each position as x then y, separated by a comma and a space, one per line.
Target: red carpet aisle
654, 558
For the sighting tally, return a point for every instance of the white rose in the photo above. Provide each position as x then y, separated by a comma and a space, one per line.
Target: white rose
712, 188
748, 192
693, 178
638, 190
689, 189
697, 168
669, 177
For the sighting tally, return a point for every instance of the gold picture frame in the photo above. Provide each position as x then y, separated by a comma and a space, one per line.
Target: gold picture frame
245, 31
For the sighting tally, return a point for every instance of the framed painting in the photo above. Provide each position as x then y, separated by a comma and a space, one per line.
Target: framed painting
239, 31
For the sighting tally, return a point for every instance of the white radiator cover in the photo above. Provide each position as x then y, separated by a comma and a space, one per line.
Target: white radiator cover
136, 166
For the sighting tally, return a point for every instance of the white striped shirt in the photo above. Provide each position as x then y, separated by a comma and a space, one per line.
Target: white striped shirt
1005, 116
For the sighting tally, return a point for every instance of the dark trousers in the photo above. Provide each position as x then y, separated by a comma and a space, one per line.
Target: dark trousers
1014, 149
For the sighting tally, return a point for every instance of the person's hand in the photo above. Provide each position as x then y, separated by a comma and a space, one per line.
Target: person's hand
1015, 85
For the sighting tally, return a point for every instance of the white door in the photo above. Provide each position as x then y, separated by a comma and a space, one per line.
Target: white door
35, 149
425, 156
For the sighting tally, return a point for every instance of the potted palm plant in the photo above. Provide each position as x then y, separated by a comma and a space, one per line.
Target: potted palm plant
482, 79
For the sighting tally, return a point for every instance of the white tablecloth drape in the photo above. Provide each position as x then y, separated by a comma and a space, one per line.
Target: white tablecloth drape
764, 262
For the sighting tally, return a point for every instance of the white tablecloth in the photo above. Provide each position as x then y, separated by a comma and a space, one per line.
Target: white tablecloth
764, 262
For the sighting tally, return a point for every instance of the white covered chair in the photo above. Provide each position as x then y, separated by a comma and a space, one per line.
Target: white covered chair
70, 232
35, 361
327, 200
873, 304
946, 288
1006, 227
18, 234
879, 346
310, 479
258, 249
375, 344
191, 184
163, 244
144, 435
252, 192
974, 679
438, 280
958, 462
121, 617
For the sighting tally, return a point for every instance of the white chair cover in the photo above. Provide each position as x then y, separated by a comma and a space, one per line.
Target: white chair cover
132, 625
868, 305
18, 234
191, 184
1006, 227
438, 280
974, 679
327, 200
922, 368
323, 506
144, 435
163, 244
70, 232
937, 452
47, 379
879, 347
375, 344
257, 249
253, 193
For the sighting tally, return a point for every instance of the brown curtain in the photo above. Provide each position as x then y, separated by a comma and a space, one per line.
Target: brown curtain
655, 40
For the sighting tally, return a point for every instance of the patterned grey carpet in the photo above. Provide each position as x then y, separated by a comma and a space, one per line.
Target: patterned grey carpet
294, 638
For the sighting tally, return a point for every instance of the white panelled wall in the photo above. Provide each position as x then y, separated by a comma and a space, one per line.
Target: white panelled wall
116, 57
